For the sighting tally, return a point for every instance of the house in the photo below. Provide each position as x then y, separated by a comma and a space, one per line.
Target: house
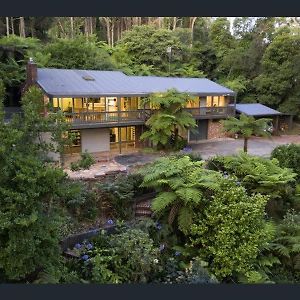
105, 110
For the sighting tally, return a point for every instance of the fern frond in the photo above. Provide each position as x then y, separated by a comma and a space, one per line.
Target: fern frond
185, 219
163, 200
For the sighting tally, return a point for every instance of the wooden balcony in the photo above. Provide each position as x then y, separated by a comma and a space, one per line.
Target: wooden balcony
211, 112
107, 119
137, 117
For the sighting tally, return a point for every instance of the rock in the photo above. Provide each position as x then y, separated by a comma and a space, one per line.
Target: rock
99, 174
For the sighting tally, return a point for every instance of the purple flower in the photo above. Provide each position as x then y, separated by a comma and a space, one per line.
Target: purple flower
187, 149
158, 226
85, 257
77, 246
177, 253
110, 222
161, 247
89, 246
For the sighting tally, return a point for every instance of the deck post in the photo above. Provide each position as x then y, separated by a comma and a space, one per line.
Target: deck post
119, 108
276, 125
120, 140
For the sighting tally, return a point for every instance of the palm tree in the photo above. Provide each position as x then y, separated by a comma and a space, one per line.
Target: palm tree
247, 126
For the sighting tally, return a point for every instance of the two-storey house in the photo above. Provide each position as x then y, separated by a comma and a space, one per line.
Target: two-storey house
105, 110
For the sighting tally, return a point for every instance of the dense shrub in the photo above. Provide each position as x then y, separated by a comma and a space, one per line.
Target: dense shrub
286, 244
288, 157
120, 194
182, 186
194, 273
194, 156
81, 201
29, 194
127, 256
85, 162
231, 231
255, 173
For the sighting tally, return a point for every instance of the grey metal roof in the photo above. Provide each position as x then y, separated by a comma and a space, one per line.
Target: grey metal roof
62, 82
256, 109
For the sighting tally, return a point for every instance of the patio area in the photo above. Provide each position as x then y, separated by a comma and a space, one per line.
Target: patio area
115, 163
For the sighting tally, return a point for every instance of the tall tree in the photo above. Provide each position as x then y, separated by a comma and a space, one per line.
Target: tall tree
278, 83
7, 26
22, 27
29, 190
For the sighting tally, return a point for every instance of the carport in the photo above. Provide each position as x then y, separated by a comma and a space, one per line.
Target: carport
258, 110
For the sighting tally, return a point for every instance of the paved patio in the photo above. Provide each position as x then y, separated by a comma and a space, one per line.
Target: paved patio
120, 163
256, 145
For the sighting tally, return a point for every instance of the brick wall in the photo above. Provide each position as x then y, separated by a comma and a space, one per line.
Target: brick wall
215, 130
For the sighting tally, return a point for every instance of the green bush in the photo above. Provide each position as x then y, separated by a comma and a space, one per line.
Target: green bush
120, 194
194, 156
286, 245
231, 231
288, 157
74, 166
255, 173
194, 273
85, 162
128, 256
81, 201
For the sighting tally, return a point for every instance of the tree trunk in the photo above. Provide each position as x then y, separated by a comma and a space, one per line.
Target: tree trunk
174, 23
61, 27
121, 29
72, 27
91, 27
12, 25
245, 145
86, 26
160, 22
31, 26
22, 27
7, 25
112, 33
192, 24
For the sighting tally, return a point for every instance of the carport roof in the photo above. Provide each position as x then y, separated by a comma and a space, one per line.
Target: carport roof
256, 109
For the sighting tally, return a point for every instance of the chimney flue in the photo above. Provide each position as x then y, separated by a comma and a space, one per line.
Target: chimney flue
31, 70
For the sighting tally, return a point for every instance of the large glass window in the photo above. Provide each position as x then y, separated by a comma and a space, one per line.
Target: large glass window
130, 103
122, 135
216, 101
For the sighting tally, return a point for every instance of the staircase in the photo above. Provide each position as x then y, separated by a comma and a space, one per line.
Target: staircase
143, 205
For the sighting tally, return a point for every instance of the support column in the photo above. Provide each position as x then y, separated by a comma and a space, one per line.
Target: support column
276, 125
120, 140
235, 96
119, 108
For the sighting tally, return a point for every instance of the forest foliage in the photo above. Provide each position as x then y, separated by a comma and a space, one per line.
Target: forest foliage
256, 57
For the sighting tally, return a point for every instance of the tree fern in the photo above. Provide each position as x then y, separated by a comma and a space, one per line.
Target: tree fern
246, 126
168, 118
181, 185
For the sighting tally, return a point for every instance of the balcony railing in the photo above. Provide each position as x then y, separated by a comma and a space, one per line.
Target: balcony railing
213, 111
134, 116
108, 117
